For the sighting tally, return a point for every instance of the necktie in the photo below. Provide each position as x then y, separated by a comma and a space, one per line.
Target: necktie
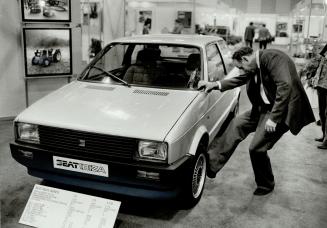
262, 91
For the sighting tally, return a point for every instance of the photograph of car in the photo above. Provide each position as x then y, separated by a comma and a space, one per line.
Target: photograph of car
46, 10
47, 51
134, 122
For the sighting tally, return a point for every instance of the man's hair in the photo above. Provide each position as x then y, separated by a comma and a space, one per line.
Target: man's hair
243, 51
251, 23
264, 25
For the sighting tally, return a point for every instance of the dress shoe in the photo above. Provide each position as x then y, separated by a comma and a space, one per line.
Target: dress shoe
322, 146
319, 139
261, 191
211, 174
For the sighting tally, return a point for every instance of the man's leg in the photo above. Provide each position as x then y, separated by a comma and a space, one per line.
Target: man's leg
322, 107
251, 42
262, 142
238, 130
260, 44
322, 99
324, 94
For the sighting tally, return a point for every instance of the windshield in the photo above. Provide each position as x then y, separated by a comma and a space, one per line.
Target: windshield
150, 65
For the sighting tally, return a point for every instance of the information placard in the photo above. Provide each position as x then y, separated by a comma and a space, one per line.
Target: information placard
49, 207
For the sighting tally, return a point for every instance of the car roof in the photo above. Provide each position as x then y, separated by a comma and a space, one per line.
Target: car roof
196, 40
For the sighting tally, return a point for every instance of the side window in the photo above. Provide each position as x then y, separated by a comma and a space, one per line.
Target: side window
223, 47
227, 55
136, 50
215, 64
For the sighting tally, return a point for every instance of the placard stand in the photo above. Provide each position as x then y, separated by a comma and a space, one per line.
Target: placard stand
47, 206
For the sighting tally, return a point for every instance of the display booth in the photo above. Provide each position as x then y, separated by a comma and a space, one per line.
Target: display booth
51, 45
308, 37
308, 21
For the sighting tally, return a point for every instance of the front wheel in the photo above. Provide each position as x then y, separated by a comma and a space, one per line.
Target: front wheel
194, 183
34, 61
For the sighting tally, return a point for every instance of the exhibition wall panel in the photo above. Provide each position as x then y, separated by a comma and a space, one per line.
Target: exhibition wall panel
254, 6
12, 95
283, 7
113, 19
268, 6
12, 84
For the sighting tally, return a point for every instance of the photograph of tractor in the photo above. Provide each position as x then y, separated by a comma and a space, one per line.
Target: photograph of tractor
46, 56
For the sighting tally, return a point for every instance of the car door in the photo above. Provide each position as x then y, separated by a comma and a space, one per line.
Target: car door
216, 71
219, 103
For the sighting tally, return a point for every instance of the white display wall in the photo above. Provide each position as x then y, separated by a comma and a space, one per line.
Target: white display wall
12, 84
12, 95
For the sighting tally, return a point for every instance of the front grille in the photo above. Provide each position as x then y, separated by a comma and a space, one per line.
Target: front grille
86, 144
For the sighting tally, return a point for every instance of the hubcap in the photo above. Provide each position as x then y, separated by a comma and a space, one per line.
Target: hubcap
199, 173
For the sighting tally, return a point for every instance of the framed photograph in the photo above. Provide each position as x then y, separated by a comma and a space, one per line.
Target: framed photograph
185, 17
47, 51
297, 28
281, 29
145, 18
46, 10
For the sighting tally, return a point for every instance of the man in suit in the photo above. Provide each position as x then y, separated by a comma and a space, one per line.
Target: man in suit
279, 104
264, 37
249, 35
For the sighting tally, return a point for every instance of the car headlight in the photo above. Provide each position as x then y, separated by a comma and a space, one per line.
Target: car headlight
152, 151
28, 132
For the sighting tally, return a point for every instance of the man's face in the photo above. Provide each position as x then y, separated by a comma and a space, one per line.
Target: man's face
246, 64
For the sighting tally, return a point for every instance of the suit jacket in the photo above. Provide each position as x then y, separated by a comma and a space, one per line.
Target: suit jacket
264, 34
249, 33
284, 90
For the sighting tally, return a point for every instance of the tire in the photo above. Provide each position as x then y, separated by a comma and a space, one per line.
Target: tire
52, 2
57, 57
34, 61
195, 179
46, 62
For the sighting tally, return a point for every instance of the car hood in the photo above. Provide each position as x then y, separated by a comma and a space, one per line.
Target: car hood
137, 112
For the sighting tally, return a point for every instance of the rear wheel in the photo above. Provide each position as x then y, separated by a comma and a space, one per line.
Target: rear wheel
57, 57
196, 176
46, 62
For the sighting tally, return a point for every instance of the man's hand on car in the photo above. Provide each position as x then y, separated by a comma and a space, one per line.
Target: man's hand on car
207, 86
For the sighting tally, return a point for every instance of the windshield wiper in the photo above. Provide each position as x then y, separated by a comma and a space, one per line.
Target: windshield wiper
109, 74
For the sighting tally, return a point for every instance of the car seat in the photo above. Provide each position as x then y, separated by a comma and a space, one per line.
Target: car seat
193, 69
145, 70
193, 62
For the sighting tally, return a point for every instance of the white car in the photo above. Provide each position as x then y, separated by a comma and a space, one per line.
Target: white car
134, 122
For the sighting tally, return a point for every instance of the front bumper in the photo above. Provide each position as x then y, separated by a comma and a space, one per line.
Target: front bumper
122, 178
